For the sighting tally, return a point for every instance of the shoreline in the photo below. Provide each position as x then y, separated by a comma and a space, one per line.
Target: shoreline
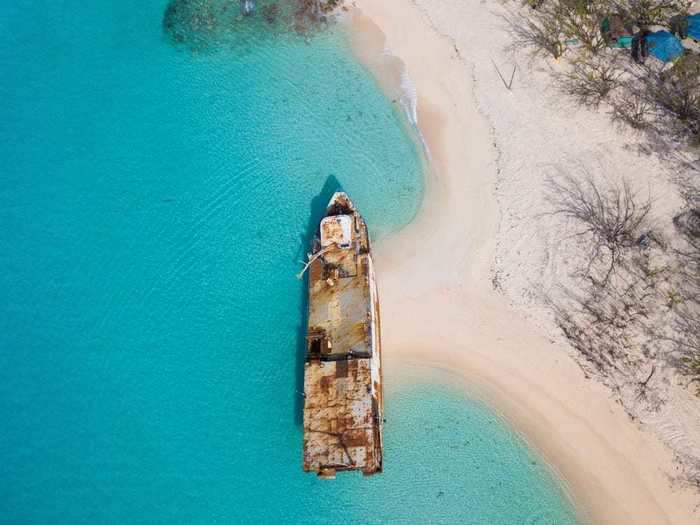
615, 471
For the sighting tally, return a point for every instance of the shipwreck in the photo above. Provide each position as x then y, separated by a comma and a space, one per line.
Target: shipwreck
343, 411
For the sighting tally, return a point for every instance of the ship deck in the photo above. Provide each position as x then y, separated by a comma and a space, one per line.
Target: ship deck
341, 310
342, 377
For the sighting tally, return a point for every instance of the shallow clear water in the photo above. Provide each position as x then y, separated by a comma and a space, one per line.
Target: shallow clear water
155, 205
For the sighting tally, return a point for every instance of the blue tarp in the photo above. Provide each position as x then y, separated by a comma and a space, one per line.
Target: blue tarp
664, 46
694, 26
624, 41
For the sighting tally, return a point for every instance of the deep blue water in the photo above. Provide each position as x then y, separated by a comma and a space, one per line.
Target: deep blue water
155, 204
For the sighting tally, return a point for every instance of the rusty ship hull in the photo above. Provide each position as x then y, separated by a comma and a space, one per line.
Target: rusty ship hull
343, 406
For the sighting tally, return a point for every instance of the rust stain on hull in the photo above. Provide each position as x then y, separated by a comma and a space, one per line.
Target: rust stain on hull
342, 374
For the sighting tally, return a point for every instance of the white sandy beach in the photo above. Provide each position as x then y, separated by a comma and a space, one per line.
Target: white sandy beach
473, 227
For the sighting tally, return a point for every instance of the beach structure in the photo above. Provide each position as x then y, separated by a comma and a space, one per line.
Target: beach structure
664, 45
342, 371
617, 31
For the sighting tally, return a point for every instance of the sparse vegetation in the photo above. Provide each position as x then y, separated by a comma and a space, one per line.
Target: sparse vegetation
540, 32
677, 92
645, 13
580, 20
687, 342
687, 319
663, 99
636, 304
629, 300
610, 219
632, 108
551, 23
626, 312
591, 79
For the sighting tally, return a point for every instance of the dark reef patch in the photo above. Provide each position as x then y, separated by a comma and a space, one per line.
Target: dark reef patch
204, 25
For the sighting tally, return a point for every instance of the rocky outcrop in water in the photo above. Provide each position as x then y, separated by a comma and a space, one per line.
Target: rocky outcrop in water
202, 25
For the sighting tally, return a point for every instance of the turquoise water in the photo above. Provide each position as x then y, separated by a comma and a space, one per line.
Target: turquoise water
155, 202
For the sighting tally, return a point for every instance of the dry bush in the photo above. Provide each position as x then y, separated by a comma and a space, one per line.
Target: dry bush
651, 12
539, 32
688, 224
608, 329
596, 321
611, 218
667, 100
684, 337
687, 342
687, 317
546, 28
675, 92
688, 254
604, 315
591, 79
632, 107
581, 19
